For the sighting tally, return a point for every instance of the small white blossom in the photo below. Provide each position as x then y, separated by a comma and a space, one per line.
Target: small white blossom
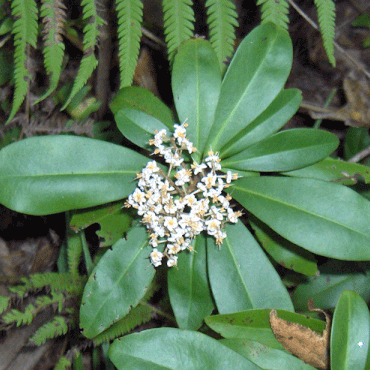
156, 257
172, 261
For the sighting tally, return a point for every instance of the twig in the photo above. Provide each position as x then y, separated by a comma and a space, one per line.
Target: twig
360, 155
336, 45
153, 37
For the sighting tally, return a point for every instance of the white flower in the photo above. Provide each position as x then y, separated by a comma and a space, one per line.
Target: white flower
156, 257
180, 133
173, 248
209, 180
172, 261
170, 223
198, 167
213, 226
182, 177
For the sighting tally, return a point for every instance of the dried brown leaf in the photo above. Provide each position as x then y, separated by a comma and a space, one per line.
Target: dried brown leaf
301, 341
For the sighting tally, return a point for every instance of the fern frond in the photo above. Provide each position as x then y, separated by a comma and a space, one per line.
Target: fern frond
179, 20
74, 251
326, 16
222, 21
130, 17
89, 61
25, 33
58, 282
63, 363
21, 290
275, 11
4, 303
51, 329
46, 300
136, 317
19, 317
54, 17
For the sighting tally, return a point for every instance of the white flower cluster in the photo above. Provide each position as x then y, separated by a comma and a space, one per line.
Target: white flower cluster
177, 206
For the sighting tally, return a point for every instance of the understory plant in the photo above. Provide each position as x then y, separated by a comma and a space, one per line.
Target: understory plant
242, 202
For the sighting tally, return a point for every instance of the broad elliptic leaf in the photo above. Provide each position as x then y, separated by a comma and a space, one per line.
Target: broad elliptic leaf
112, 218
117, 283
136, 97
325, 218
241, 275
169, 348
271, 120
255, 325
137, 126
256, 75
189, 289
196, 82
265, 356
334, 278
49, 174
350, 335
283, 251
335, 170
285, 151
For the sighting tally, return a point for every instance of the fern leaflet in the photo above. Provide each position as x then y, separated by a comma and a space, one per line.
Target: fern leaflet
178, 23
326, 15
58, 282
63, 364
221, 20
275, 11
130, 16
54, 16
88, 62
4, 303
51, 329
74, 251
136, 317
25, 33
21, 318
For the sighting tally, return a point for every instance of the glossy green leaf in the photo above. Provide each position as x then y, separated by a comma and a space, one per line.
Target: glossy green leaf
113, 221
285, 151
188, 287
138, 98
264, 356
357, 139
137, 126
256, 75
241, 275
324, 218
169, 348
283, 251
117, 283
50, 174
196, 82
334, 170
334, 278
350, 334
272, 119
255, 325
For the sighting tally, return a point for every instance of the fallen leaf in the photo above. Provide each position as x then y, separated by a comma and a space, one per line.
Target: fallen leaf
301, 341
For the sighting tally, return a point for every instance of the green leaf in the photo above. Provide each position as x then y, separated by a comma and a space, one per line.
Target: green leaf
136, 97
357, 139
187, 350
328, 219
334, 170
272, 119
284, 252
114, 222
255, 325
50, 174
285, 151
265, 356
241, 275
334, 278
138, 126
196, 82
255, 77
350, 335
188, 287
117, 283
